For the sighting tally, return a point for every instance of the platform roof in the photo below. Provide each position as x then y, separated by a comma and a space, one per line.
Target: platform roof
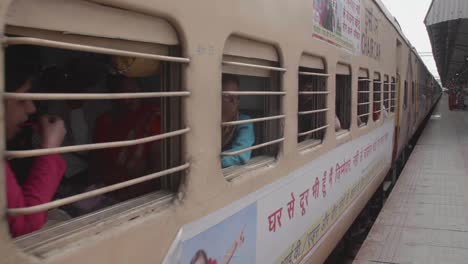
447, 26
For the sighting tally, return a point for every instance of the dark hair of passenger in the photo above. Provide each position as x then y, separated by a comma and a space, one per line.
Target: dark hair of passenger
229, 78
200, 253
114, 83
22, 63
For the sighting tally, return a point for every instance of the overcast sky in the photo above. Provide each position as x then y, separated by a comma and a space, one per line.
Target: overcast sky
410, 14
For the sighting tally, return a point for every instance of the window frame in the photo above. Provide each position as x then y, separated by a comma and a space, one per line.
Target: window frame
364, 97
344, 71
377, 100
393, 95
314, 67
243, 57
157, 198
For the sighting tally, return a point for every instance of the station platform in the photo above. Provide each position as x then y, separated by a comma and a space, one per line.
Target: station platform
425, 219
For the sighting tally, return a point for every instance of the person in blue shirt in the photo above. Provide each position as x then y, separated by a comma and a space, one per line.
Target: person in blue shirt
238, 137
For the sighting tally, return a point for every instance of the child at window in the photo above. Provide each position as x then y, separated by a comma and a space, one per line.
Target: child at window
46, 171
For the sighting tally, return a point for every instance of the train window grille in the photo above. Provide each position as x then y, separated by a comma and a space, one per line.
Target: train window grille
363, 108
386, 94
259, 96
405, 95
312, 115
343, 97
377, 97
169, 96
393, 95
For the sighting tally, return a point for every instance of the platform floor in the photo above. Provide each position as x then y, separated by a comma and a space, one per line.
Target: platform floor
425, 219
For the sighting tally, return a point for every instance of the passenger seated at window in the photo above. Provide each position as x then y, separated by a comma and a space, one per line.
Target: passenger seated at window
337, 124
47, 171
77, 76
129, 119
238, 137
306, 103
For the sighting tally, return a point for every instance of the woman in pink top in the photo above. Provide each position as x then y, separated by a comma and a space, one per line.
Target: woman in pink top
46, 171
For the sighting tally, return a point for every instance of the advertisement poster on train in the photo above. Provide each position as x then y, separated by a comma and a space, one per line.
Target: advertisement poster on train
285, 221
293, 218
370, 43
231, 241
338, 22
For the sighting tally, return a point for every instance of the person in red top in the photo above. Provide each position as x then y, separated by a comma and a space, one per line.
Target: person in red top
130, 119
46, 171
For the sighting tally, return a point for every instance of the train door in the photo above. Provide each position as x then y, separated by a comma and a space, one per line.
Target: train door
409, 84
397, 117
397, 103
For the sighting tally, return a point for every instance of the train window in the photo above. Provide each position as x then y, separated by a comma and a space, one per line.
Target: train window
251, 105
312, 115
386, 94
413, 94
377, 97
405, 96
363, 97
120, 97
393, 93
343, 97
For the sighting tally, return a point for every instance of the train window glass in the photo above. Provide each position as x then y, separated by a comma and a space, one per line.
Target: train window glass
343, 98
312, 115
364, 92
252, 117
377, 97
393, 93
121, 102
405, 96
413, 94
386, 94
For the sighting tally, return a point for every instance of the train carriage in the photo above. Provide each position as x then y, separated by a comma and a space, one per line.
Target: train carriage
331, 91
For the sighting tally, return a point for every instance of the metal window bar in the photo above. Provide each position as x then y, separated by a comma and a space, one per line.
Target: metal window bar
269, 143
249, 65
363, 108
87, 48
75, 198
96, 96
393, 93
244, 93
313, 131
253, 93
313, 111
313, 115
252, 120
314, 74
386, 93
9, 154
377, 99
312, 93
90, 96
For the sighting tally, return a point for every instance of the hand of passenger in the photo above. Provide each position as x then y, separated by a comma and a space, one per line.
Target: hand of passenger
53, 131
